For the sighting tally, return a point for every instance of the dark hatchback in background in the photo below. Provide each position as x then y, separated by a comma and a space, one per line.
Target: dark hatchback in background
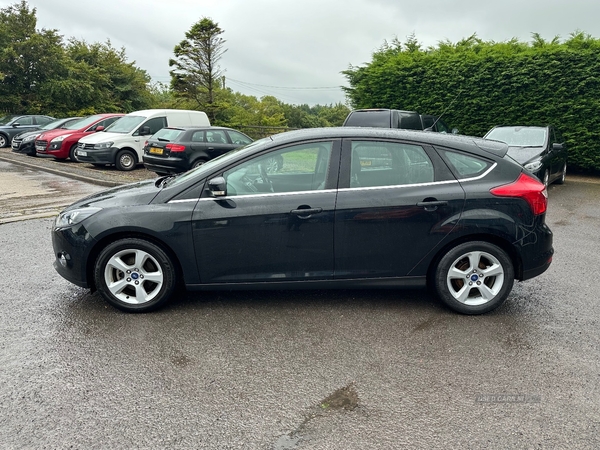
449, 211
539, 149
25, 142
178, 149
12, 125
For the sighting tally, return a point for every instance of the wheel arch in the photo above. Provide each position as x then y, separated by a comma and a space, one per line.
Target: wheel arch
102, 243
132, 150
489, 238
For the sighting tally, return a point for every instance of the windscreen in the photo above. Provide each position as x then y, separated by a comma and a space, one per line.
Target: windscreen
125, 124
519, 136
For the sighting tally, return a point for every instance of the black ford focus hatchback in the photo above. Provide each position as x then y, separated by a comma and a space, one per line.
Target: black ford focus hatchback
347, 208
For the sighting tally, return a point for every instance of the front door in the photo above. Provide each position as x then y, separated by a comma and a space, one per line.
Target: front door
270, 227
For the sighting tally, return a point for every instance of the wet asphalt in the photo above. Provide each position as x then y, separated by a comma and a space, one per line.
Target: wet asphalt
371, 369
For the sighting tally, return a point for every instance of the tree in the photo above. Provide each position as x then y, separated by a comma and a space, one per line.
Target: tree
29, 59
196, 74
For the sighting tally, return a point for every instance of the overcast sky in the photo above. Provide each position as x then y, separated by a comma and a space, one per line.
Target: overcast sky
296, 49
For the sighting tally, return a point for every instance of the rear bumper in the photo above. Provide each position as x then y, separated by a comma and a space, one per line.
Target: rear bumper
165, 165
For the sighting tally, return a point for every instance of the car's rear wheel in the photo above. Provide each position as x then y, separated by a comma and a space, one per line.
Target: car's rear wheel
474, 277
563, 175
134, 275
125, 160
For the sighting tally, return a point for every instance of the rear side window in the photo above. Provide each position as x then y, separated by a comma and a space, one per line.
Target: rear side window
389, 164
466, 166
216, 137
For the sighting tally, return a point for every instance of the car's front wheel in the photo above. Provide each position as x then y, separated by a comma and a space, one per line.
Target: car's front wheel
134, 275
563, 175
126, 160
3, 141
474, 277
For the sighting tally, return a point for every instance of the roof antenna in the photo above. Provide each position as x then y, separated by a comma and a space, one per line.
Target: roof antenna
444, 112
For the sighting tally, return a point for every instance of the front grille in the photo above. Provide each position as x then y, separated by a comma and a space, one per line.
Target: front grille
41, 144
82, 146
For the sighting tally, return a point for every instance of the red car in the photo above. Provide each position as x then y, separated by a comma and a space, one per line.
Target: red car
61, 143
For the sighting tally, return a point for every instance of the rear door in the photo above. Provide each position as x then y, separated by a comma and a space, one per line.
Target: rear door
396, 202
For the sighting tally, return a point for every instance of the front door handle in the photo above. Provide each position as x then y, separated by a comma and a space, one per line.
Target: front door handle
305, 213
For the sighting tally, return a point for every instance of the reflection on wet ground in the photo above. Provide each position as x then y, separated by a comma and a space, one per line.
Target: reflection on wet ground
27, 193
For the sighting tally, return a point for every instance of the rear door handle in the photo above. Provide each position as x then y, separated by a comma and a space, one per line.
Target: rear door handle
432, 205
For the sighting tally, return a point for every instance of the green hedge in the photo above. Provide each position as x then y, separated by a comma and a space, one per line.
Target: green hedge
478, 85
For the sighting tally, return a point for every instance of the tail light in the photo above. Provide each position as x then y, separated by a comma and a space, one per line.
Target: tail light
529, 189
174, 148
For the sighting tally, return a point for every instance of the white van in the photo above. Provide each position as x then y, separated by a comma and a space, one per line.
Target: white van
122, 142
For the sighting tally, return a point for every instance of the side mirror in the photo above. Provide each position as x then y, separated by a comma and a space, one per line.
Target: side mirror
557, 146
145, 131
99, 128
454, 130
218, 187
16, 124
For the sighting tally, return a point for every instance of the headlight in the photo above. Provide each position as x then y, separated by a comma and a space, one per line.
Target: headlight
29, 138
60, 138
534, 165
74, 216
103, 145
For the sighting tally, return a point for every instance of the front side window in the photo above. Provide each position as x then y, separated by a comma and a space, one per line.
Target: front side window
380, 164
154, 125
239, 138
292, 169
216, 137
25, 120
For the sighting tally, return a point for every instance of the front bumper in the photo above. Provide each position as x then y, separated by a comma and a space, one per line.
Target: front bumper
71, 251
92, 156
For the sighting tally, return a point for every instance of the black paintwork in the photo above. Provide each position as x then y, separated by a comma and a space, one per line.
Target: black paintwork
28, 147
334, 236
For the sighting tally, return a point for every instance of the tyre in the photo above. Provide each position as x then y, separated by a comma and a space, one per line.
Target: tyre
563, 175
72, 156
3, 141
126, 160
474, 277
198, 163
134, 275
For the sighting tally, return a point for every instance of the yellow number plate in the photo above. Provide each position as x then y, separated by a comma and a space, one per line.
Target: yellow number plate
156, 151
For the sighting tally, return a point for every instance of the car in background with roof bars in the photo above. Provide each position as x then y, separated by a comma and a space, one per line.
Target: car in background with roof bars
452, 212
177, 149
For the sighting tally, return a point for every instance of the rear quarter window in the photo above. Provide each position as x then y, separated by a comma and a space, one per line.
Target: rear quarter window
465, 165
167, 134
